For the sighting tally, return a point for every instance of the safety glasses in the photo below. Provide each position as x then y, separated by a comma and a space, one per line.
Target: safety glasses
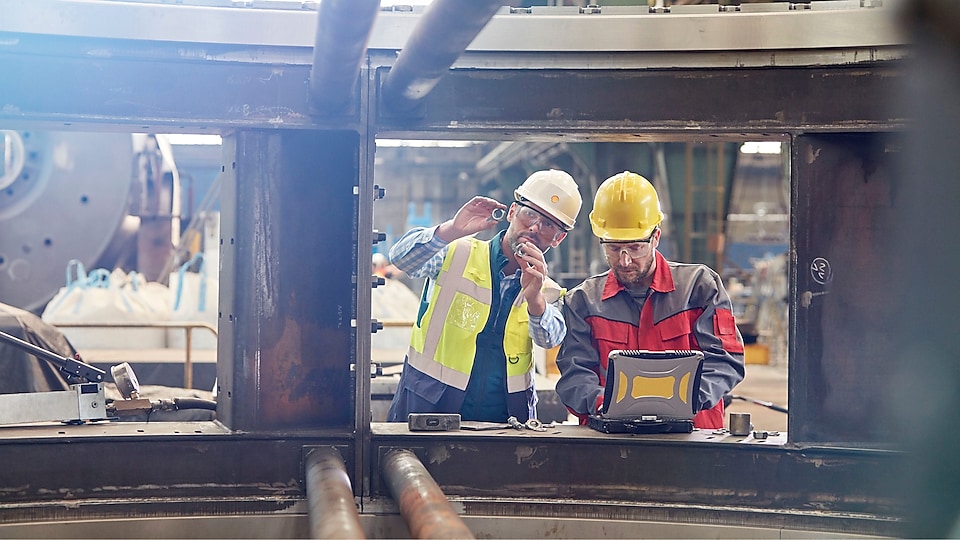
530, 216
634, 248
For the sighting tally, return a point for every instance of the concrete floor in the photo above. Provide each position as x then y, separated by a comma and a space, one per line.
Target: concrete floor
765, 383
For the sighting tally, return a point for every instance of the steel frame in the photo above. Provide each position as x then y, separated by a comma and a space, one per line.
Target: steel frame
247, 79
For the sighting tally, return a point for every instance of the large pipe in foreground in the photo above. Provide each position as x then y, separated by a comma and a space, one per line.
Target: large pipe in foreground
440, 37
423, 505
333, 513
343, 30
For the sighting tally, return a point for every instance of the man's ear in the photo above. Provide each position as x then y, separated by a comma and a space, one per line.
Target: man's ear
559, 239
511, 212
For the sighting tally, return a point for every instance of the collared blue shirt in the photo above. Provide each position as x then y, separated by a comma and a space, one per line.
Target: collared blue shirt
419, 253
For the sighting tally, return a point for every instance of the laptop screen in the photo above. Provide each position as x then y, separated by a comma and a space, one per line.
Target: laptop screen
652, 385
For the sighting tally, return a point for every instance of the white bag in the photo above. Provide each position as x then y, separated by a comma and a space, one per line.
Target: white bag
195, 297
102, 297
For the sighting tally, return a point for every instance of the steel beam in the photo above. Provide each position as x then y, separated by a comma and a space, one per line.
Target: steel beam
701, 477
288, 285
636, 105
835, 24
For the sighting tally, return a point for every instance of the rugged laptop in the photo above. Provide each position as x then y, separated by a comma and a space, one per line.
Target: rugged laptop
650, 392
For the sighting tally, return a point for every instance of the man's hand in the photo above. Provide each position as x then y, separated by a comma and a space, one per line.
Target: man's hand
473, 217
533, 270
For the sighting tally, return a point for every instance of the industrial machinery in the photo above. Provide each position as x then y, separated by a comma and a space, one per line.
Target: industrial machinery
86, 399
300, 97
107, 199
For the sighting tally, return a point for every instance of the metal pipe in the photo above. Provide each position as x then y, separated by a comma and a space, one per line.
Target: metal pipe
343, 30
333, 512
423, 505
439, 38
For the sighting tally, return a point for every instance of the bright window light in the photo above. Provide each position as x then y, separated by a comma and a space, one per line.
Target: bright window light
424, 144
758, 147
390, 3
190, 139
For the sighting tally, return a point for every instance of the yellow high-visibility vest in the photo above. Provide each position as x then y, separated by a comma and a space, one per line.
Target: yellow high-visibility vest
460, 302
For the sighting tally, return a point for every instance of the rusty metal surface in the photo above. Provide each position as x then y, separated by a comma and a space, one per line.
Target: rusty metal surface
62, 81
333, 513
577, 463
204, 469
288, 255
118, 463
690, 102
294, 242
423, 505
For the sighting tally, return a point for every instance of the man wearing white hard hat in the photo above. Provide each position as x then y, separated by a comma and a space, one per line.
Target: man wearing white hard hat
485, 303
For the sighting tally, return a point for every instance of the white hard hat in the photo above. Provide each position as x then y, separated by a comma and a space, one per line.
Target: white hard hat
555, 192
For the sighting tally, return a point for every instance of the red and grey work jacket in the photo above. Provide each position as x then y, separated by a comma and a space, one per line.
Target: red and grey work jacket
686, 308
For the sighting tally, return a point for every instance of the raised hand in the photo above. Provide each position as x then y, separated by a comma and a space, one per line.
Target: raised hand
474, 216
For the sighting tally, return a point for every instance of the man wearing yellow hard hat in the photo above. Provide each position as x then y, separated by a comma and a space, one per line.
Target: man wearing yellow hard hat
484, 303
644, 302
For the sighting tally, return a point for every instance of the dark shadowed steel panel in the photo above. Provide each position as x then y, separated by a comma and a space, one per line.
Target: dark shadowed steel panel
656, 100
288, 255
847, 357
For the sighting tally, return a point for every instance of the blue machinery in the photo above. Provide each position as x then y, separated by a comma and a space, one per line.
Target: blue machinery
298, 196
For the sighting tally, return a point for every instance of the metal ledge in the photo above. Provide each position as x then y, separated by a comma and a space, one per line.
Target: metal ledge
551, 30
692, 471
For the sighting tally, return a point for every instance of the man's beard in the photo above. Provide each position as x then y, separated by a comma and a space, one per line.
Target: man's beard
637, 273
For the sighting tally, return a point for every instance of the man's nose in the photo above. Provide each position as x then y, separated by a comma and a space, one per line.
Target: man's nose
624, 257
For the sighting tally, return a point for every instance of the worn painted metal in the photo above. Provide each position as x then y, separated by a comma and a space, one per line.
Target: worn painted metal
296, 230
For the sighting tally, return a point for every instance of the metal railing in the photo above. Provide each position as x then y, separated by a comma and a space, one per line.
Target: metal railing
187, 326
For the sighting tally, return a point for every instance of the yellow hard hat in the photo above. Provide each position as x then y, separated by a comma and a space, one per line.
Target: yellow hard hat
553, 191
626, 208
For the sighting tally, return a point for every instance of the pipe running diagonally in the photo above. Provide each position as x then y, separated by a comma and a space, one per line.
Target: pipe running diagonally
423, 506
343, 31
444, 31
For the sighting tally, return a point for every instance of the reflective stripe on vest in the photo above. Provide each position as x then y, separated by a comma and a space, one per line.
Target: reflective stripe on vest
518, 348
472, 301
460, 302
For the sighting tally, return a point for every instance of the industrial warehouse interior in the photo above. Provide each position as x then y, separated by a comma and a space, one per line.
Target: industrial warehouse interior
204, 329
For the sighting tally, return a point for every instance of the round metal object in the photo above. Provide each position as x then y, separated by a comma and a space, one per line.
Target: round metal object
740, 424
498, 214
63, 196
126, 380
11, 157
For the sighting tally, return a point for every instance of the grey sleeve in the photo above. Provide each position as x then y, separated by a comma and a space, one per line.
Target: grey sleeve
723, 366
579, 385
